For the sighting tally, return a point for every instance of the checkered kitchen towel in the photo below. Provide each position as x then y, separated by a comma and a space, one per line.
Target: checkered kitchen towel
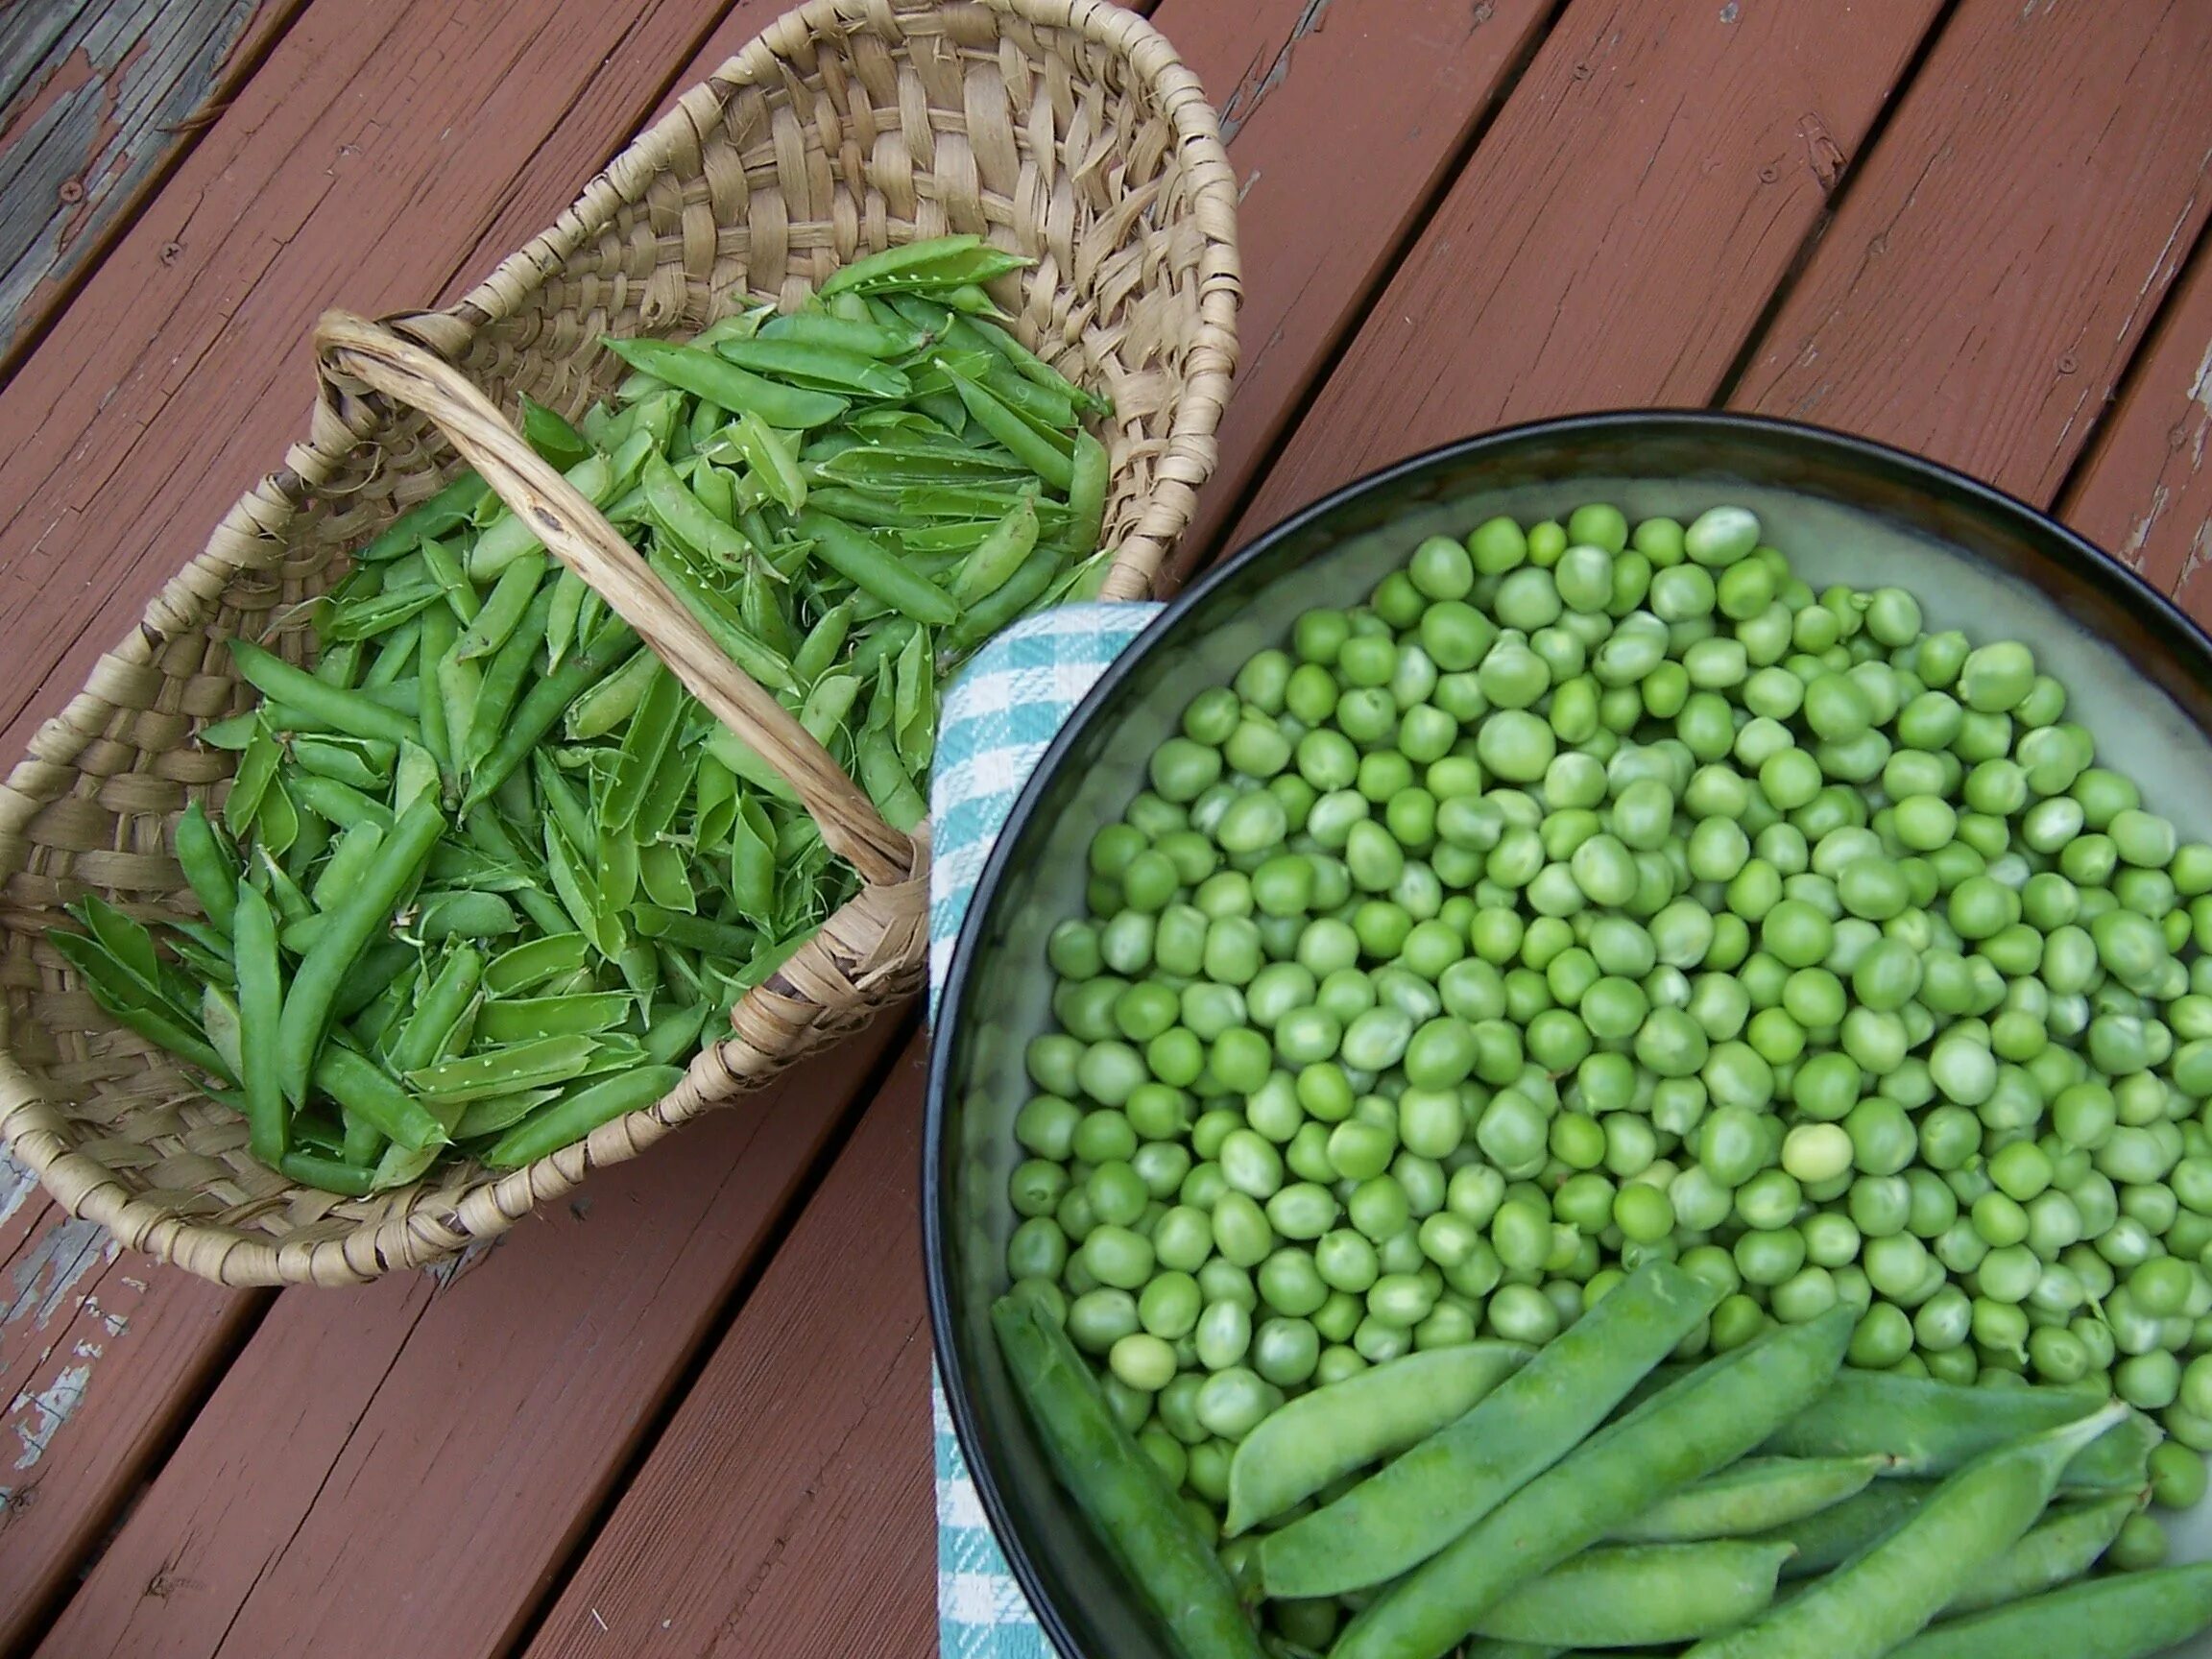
998, 720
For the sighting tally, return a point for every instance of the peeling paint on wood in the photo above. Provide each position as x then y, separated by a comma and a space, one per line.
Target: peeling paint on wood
95, 97
2146, 495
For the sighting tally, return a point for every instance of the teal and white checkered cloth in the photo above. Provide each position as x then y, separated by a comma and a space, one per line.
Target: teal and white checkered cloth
997, 722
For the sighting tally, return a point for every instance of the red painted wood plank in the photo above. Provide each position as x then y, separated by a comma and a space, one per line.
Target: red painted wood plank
88, 1337
1343, 120
2146, 493
1617, 234
398, 1469
97, 101
786, 1509
1990, 274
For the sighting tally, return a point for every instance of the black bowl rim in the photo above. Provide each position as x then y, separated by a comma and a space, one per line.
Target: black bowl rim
2120, 582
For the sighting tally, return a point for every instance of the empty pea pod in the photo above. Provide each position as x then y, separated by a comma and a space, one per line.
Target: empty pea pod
503, 1069
1753, 1496
521, 1019
496, 1112
1327, 1433
1638, 1595
463, 915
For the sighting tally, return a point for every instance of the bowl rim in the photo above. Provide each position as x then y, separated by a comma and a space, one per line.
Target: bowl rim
2120, 582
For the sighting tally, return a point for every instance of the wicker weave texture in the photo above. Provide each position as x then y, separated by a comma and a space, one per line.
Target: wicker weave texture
1065, 130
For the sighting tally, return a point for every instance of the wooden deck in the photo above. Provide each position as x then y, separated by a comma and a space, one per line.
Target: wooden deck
686, 1413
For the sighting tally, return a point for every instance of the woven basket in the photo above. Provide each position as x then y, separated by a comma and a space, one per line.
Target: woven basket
1064, 130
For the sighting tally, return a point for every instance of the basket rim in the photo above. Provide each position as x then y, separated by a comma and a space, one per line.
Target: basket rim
30, 1126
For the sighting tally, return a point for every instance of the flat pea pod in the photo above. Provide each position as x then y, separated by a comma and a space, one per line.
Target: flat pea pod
1636, 1595
543, 704
211, 870
353, 712
326, 1174
532, 964
2127, 1616
1332, 1431
365, 1090
1145, 1528
1753, 1496
423, 1039
1933, 1427
503, 1069
1870, 1605
523, 1018
552, 1127
704, 374
309, 1004
1702, 1423
1414, 1505
2058, 1548
260, 1009
856, 557
503, 607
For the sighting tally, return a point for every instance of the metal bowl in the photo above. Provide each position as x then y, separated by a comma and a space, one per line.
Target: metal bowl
2139, 673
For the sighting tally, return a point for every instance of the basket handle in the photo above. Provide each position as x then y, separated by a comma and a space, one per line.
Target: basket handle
354, 348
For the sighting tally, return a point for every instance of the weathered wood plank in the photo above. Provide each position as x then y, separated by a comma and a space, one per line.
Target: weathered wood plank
786, 1509
2145, 495
1995, 267
96, 98
399, 1469
1615, 236
1343, 120
86, 1335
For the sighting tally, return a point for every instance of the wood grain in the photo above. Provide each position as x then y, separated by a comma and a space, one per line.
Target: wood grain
398, 1469
97, 97
1616, 235
1338, 147
1996, 265
2145, 495
787, 1508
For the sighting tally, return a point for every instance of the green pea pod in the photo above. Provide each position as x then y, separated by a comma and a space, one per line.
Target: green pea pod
565, 804
694, 932
342, 805
361, 1086
819, 650
617, 872
666, 795
1330, 1432
675, 1033
914, 707
1035, 369
460, 596
817, 367
902, 262
550, 435
1021, 591
422, 1040
310, 1003
503, 608
444, 916
1023, 439
371, 975
285, 893
568, 591
712, 612
531, 1017
579, 892
276, 825
565, 1122
2126, 1616
260, 1012
1091, 472
870, 509
309, 840
373, 617
1639, 1595
892, 468
347, 865
704, 374
358, 763
715, 488
827, 704
714, 802
449, 508
152, 1018
459, 686
341, 711
202, 950
645, 744
1752, 1497
737, 325
510, 537
232, 735
502, 684
503, 1069
660, 873
997, 556
546, 702
885, 780
497, 1112
771, 459
219, 1020
613, 700
760, 607
532, 964
865, 339
681, 514
742, 758
396, 659
1403, 1515
2068, 1540
326, 1174
1145, 1528
857, 558
210, 869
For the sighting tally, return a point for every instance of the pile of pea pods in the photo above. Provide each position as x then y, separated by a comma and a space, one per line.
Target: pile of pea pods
485, 873
1596, 895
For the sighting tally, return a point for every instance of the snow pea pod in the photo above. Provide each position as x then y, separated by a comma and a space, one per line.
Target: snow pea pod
1414, 1505
1753, 1496
552, 1127
532, 964
1702, 1423
1870, 1605
1119, 1489
1639, 1595
1332, 1431
310, 1003
2127, 1616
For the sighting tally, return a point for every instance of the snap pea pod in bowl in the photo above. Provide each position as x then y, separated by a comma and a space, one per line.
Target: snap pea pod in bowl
487, 873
